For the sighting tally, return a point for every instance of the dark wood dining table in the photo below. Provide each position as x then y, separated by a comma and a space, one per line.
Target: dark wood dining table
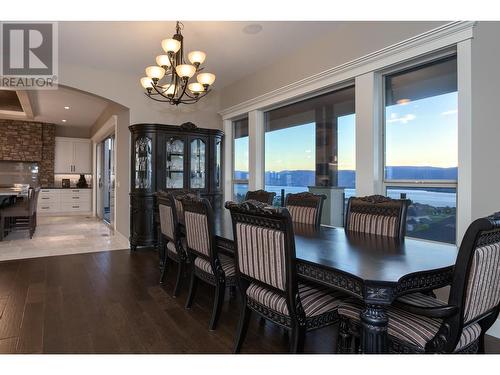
374, 269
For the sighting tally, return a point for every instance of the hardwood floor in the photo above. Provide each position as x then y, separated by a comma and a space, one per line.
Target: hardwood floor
111, 302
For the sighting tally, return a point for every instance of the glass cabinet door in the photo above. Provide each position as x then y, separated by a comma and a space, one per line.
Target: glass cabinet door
218, 164
198, 158
174, 163
143, 163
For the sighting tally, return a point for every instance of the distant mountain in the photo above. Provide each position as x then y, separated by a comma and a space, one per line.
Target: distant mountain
347, 178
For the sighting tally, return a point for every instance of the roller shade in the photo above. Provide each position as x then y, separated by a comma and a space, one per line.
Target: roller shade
433, 79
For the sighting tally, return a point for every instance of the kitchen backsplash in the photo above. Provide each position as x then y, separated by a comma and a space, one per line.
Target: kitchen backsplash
73, 179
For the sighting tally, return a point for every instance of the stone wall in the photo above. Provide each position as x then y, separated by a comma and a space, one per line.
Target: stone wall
30, 142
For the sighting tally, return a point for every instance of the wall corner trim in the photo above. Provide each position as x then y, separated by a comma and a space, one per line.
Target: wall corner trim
434, 39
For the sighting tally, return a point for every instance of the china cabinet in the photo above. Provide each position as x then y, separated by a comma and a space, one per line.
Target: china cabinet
169, 157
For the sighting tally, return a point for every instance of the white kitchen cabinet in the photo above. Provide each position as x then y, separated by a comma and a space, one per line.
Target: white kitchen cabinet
73, 155
63, 201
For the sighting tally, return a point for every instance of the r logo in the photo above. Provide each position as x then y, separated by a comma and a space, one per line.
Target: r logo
27, 49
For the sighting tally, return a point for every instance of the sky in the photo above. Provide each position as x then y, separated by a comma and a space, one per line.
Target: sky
418, 133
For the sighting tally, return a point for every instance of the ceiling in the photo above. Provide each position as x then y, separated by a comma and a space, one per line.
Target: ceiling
231, 53
48, 106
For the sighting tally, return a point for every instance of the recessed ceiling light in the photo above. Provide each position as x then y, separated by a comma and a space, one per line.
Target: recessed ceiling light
66, 107
63, 120
253, 28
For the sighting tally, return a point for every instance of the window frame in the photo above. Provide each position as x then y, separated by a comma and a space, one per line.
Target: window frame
235, 181
394, 183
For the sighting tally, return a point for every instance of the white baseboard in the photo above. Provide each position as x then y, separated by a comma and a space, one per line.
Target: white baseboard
495, 329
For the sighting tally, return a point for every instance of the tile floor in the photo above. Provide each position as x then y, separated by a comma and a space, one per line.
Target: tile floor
61, 235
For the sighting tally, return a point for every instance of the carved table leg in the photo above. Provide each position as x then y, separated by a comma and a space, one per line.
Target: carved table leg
374, 329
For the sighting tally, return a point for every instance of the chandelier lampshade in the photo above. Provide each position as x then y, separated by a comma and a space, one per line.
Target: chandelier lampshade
163, 61
169, 80
146, 82
155, 72
197, 57
206, 78
171, 45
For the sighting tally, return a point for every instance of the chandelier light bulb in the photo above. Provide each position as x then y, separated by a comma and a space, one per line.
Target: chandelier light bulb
163, 60
206, 78
197, 57
155, 72
196, 88
185, 70
146, 82
171, 45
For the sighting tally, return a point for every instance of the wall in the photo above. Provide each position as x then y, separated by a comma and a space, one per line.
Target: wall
72, 131
485, 135
29, 141
350, 41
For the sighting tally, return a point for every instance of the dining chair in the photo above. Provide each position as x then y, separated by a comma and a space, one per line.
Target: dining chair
419, 323
177, 194
261, 196
376, 214
172, 245
267, 275
305, 207
22, 215
208, 265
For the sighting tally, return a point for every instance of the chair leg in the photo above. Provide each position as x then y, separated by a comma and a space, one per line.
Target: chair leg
481, 349
192, 290
344, 337
180, 271
242, 326
164, 267
297, 339
220, 289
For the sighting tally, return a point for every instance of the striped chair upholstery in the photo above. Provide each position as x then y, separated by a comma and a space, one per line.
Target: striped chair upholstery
304, 215
226, 263
483, 286
415, 330
373, 224
377, 215
315, 299
261, 254
166, 220
197, 234
305, 208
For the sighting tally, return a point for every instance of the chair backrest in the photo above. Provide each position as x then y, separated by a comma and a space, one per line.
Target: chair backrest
475, 288
168, 216
305, 207
265, 247
199, 224
376, 214
177, 195
260, 196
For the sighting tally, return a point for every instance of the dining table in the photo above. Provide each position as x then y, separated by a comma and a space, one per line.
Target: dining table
372, 268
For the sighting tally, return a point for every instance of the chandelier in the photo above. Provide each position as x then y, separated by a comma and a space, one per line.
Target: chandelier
168, 81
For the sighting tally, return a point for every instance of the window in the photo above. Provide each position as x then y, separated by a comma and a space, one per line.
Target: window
311, 143
421, 146
240, 159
